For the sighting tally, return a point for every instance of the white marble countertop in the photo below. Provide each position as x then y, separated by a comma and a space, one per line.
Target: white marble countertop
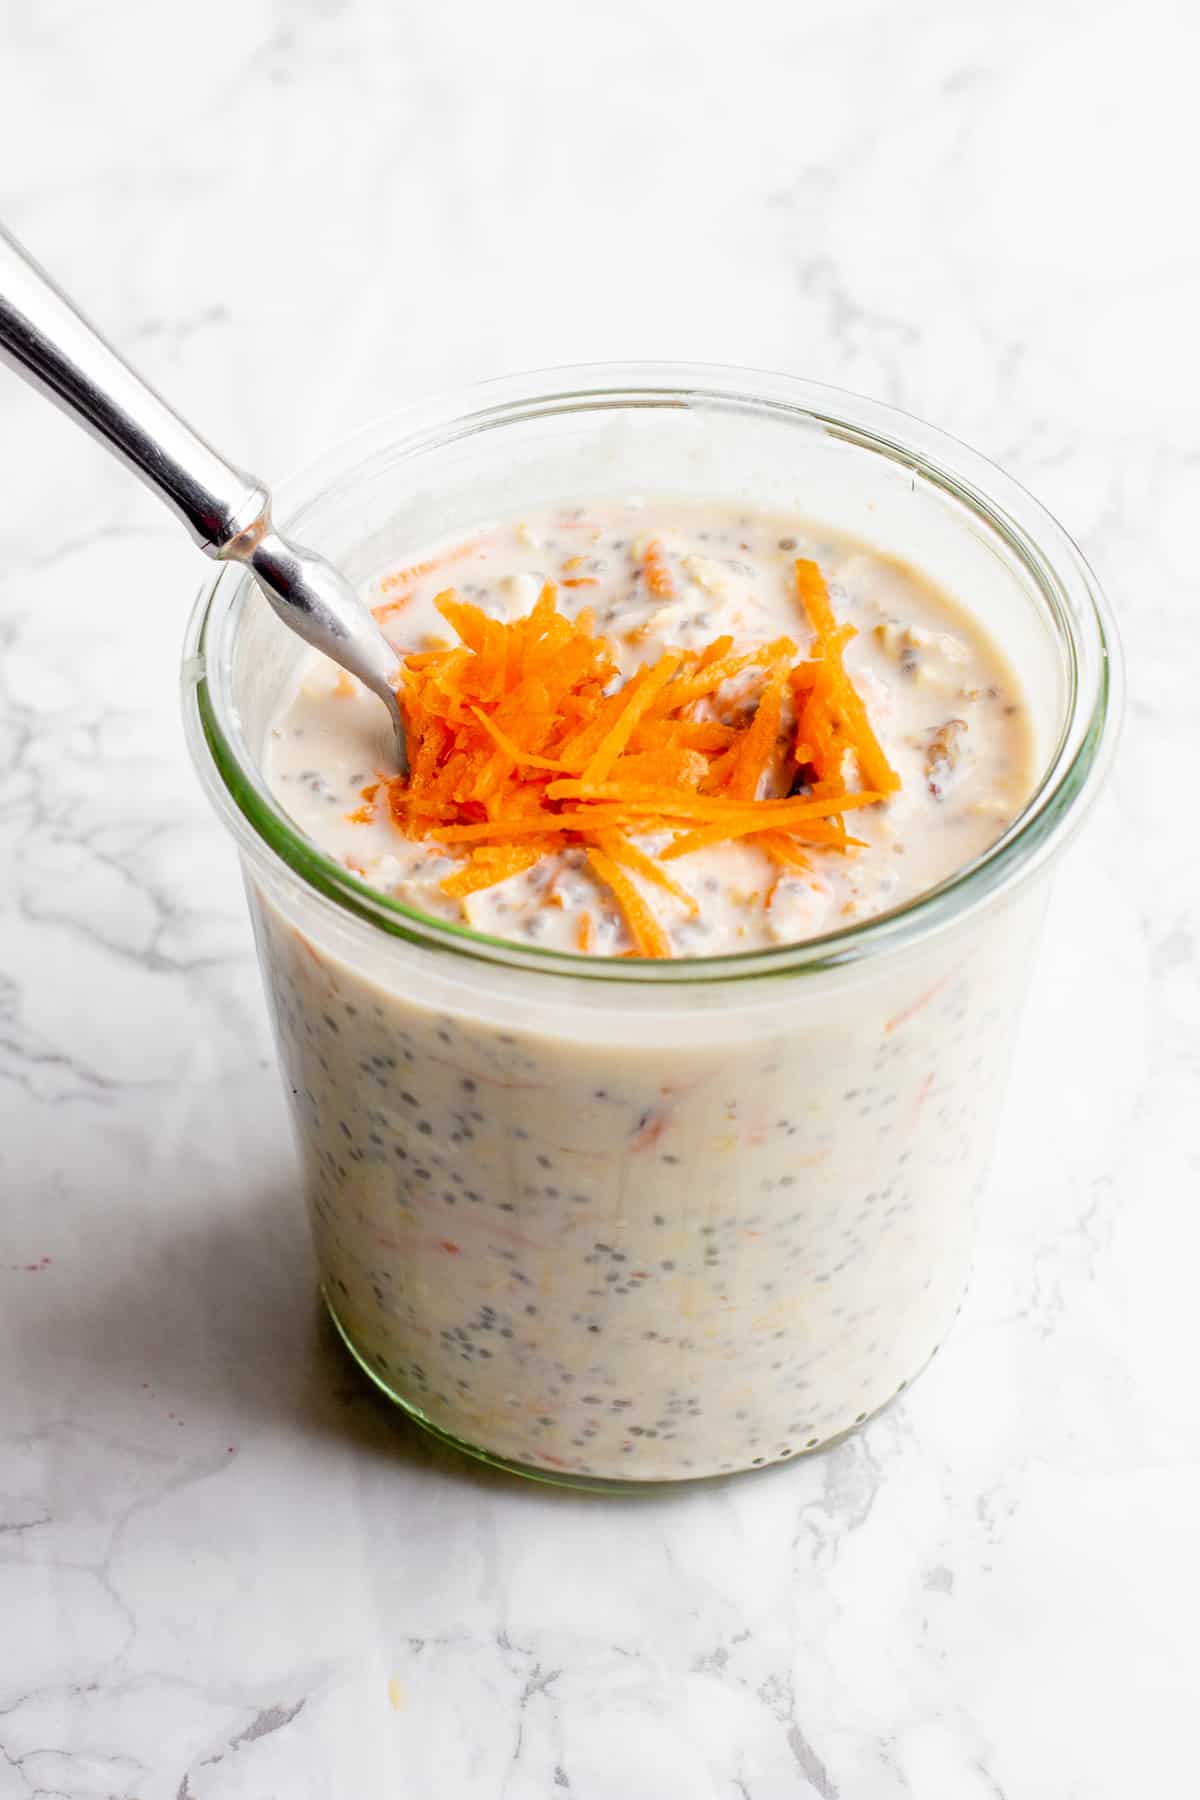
226, 1572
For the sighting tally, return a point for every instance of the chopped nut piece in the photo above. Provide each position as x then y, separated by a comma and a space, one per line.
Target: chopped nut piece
943, 757
520, 592
922, 655
708, 574
995, 808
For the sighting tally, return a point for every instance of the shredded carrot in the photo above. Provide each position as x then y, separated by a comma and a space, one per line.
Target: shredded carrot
387, 609
583, 931
649, 1130
417, 571
813, 596
714, 652
758, 744
715, 674
414, 572
667, 805
649, 938
522, 743
638, 696
702, 734
363, 815
658, 575
830, 715
617, 846
782, 851
489, 866
817, 832
581, 581
514, 750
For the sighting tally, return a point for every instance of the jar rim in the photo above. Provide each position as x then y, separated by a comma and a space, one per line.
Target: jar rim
1063, 580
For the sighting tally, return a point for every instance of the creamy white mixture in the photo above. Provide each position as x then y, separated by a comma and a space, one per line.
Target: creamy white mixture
606, 1236
943, 705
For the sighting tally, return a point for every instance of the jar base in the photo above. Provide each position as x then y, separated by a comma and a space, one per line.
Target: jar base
597, 1484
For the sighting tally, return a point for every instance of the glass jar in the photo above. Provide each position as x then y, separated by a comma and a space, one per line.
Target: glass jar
617, 1222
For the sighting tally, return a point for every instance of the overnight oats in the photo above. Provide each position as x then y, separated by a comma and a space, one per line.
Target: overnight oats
641, 1130
704, 639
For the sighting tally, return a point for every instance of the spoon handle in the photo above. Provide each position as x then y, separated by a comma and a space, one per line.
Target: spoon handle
227, 512
45, 339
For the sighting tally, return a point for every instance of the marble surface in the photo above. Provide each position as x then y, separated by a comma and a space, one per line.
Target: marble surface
226, 1573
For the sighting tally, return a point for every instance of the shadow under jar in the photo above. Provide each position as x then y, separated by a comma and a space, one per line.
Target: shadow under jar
613, 1222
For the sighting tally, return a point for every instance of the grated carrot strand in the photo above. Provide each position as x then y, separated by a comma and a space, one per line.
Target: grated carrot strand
648, 936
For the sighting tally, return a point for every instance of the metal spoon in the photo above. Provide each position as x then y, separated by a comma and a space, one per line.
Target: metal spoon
227, 512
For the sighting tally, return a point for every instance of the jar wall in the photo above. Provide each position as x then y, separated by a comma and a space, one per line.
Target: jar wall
622, 1244
635, 1223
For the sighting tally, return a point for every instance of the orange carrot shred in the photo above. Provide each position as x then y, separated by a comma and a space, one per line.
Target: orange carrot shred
832, 718
387, 609
514, 750
484, 874
649, 938
814, 598
416, 571
617, 846
758, 745
641, 692
658, 575
815, 831
522, 744
782, 850
406, 578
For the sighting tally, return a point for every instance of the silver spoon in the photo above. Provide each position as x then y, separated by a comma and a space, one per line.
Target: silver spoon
227, 512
